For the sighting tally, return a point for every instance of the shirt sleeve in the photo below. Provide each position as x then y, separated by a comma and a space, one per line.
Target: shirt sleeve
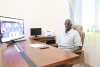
77, 39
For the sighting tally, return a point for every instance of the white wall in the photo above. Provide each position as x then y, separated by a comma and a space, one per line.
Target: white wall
37, 13
59, 12
34, 12
92, 49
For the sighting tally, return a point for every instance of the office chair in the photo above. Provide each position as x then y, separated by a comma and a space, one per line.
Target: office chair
79, 28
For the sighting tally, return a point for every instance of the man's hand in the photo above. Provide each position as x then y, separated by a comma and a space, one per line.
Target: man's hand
75, 49
55, 45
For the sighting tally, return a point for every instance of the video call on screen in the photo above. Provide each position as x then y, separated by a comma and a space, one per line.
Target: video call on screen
11, 29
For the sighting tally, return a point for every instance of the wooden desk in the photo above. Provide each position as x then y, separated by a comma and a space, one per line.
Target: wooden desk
44, 39
51, 57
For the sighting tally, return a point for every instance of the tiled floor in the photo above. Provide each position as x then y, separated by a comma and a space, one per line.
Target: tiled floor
82, 65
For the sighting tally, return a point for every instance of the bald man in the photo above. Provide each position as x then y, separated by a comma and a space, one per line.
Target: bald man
69, 40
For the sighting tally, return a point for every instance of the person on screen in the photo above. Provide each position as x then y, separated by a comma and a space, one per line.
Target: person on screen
69, 40
3, 30
11, 34
8, 25
16, 25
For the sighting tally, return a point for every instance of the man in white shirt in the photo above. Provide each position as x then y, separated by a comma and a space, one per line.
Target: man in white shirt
69, 40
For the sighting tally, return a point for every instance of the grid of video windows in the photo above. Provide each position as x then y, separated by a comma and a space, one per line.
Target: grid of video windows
11, 30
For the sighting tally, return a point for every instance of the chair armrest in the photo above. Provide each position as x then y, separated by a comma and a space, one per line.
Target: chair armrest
79, 51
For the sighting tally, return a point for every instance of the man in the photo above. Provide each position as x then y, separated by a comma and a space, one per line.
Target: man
69, 40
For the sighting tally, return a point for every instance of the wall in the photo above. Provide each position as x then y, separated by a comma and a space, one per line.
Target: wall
34, 12
59, 12
92, 49
37, 13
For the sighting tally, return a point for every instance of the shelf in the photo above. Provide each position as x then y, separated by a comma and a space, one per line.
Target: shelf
44, 39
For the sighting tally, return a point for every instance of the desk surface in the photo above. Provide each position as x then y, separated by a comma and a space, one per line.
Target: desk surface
10, 57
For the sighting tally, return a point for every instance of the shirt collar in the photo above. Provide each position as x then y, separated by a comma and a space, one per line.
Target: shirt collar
68, 31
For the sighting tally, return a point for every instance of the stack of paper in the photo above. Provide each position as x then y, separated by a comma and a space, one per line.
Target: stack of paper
36, 45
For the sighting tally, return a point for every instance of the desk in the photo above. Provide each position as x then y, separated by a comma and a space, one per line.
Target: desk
51, 57
44, 39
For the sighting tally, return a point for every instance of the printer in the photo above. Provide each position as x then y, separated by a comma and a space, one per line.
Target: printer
48, 33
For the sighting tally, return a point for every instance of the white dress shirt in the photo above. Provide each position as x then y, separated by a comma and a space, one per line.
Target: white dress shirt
67, 41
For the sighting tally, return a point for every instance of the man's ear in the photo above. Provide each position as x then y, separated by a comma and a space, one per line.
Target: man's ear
71, 24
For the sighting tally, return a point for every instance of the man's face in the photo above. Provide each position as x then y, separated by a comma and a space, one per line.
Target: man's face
68, 25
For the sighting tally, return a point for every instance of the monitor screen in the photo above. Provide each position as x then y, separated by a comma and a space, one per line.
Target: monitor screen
11, 29
35, 31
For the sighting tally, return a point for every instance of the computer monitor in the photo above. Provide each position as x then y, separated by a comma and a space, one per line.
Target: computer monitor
35, 31
11, 29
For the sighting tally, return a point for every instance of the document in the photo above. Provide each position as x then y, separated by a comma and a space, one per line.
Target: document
36, 45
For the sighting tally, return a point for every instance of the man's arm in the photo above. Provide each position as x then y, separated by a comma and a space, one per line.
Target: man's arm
78, 43
55, 45
75, 49
57, 42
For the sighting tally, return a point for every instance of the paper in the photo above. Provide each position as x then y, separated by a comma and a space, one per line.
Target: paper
36, 45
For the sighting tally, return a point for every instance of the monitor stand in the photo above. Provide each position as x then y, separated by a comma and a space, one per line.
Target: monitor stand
35, 35
10, 43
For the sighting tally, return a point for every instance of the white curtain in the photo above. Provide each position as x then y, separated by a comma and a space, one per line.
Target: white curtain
75, 7
87, 14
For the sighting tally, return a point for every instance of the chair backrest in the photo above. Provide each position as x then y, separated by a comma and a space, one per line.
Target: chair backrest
79, 28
